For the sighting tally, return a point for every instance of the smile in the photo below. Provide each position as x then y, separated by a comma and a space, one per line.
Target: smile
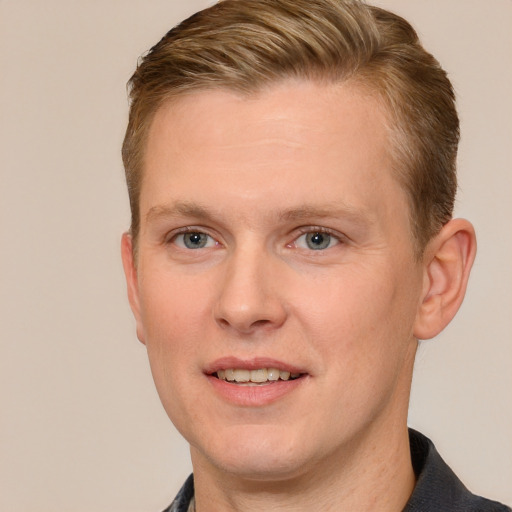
255, 377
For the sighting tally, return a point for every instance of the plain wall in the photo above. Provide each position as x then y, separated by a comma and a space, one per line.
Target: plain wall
81, 427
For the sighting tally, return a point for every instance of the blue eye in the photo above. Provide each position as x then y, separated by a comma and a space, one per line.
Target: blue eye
316, 241
194, 240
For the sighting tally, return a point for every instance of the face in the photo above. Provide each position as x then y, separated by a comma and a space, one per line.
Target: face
275, 285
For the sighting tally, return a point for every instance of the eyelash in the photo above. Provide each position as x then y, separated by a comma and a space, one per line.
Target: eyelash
320, 230
171, 238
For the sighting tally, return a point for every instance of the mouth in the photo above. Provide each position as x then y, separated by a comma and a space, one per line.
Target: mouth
255, 382
256, 377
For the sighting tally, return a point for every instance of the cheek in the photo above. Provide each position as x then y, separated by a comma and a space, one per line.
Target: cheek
172, 326
173, 318
170, 305
362, 332
345, 303
362, 317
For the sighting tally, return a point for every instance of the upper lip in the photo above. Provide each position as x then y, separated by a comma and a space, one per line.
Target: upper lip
225, 363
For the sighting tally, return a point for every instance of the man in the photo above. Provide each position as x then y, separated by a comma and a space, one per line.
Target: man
291, 171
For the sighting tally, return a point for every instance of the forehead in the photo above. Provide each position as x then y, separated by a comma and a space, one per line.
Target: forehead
292, 141
301, 101
286, 117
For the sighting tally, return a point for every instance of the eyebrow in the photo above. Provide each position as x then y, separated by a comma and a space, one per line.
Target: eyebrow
301, 213
336, 210
179, 209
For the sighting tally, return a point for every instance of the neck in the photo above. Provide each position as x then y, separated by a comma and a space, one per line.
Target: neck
371, 476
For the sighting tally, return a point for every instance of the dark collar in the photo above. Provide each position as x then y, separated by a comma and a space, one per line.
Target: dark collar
437, 487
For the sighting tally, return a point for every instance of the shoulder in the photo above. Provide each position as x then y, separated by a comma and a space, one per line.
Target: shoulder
437, 487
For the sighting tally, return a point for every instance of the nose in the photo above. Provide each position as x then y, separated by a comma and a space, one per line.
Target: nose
250, 294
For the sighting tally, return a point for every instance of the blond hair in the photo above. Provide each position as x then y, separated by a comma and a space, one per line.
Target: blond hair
244, 45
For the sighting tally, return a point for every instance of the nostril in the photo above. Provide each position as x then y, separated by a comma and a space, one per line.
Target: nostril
245, 326
223, 322
260, 323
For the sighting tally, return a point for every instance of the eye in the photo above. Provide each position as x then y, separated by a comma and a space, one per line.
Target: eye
194, 240
316, 241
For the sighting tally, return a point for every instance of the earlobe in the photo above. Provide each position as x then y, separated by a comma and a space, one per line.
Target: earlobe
448, 260
130, 272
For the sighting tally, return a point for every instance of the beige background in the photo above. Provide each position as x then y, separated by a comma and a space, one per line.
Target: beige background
81, 428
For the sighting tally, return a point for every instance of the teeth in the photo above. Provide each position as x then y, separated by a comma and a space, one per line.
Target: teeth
242, 375
259, 376
273, 374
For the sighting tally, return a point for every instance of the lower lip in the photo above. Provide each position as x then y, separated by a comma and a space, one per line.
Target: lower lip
254, 396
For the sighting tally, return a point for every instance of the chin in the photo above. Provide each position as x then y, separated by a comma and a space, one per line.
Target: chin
259, 468
254, 454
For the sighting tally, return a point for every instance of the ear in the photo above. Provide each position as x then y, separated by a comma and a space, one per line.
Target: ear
448, 259
132, 283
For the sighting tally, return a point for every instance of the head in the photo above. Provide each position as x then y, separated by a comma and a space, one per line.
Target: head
291, 176
248, 45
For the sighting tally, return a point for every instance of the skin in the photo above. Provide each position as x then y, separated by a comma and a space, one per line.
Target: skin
256, 175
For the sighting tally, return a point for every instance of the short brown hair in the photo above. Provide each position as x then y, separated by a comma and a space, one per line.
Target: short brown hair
244, 45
